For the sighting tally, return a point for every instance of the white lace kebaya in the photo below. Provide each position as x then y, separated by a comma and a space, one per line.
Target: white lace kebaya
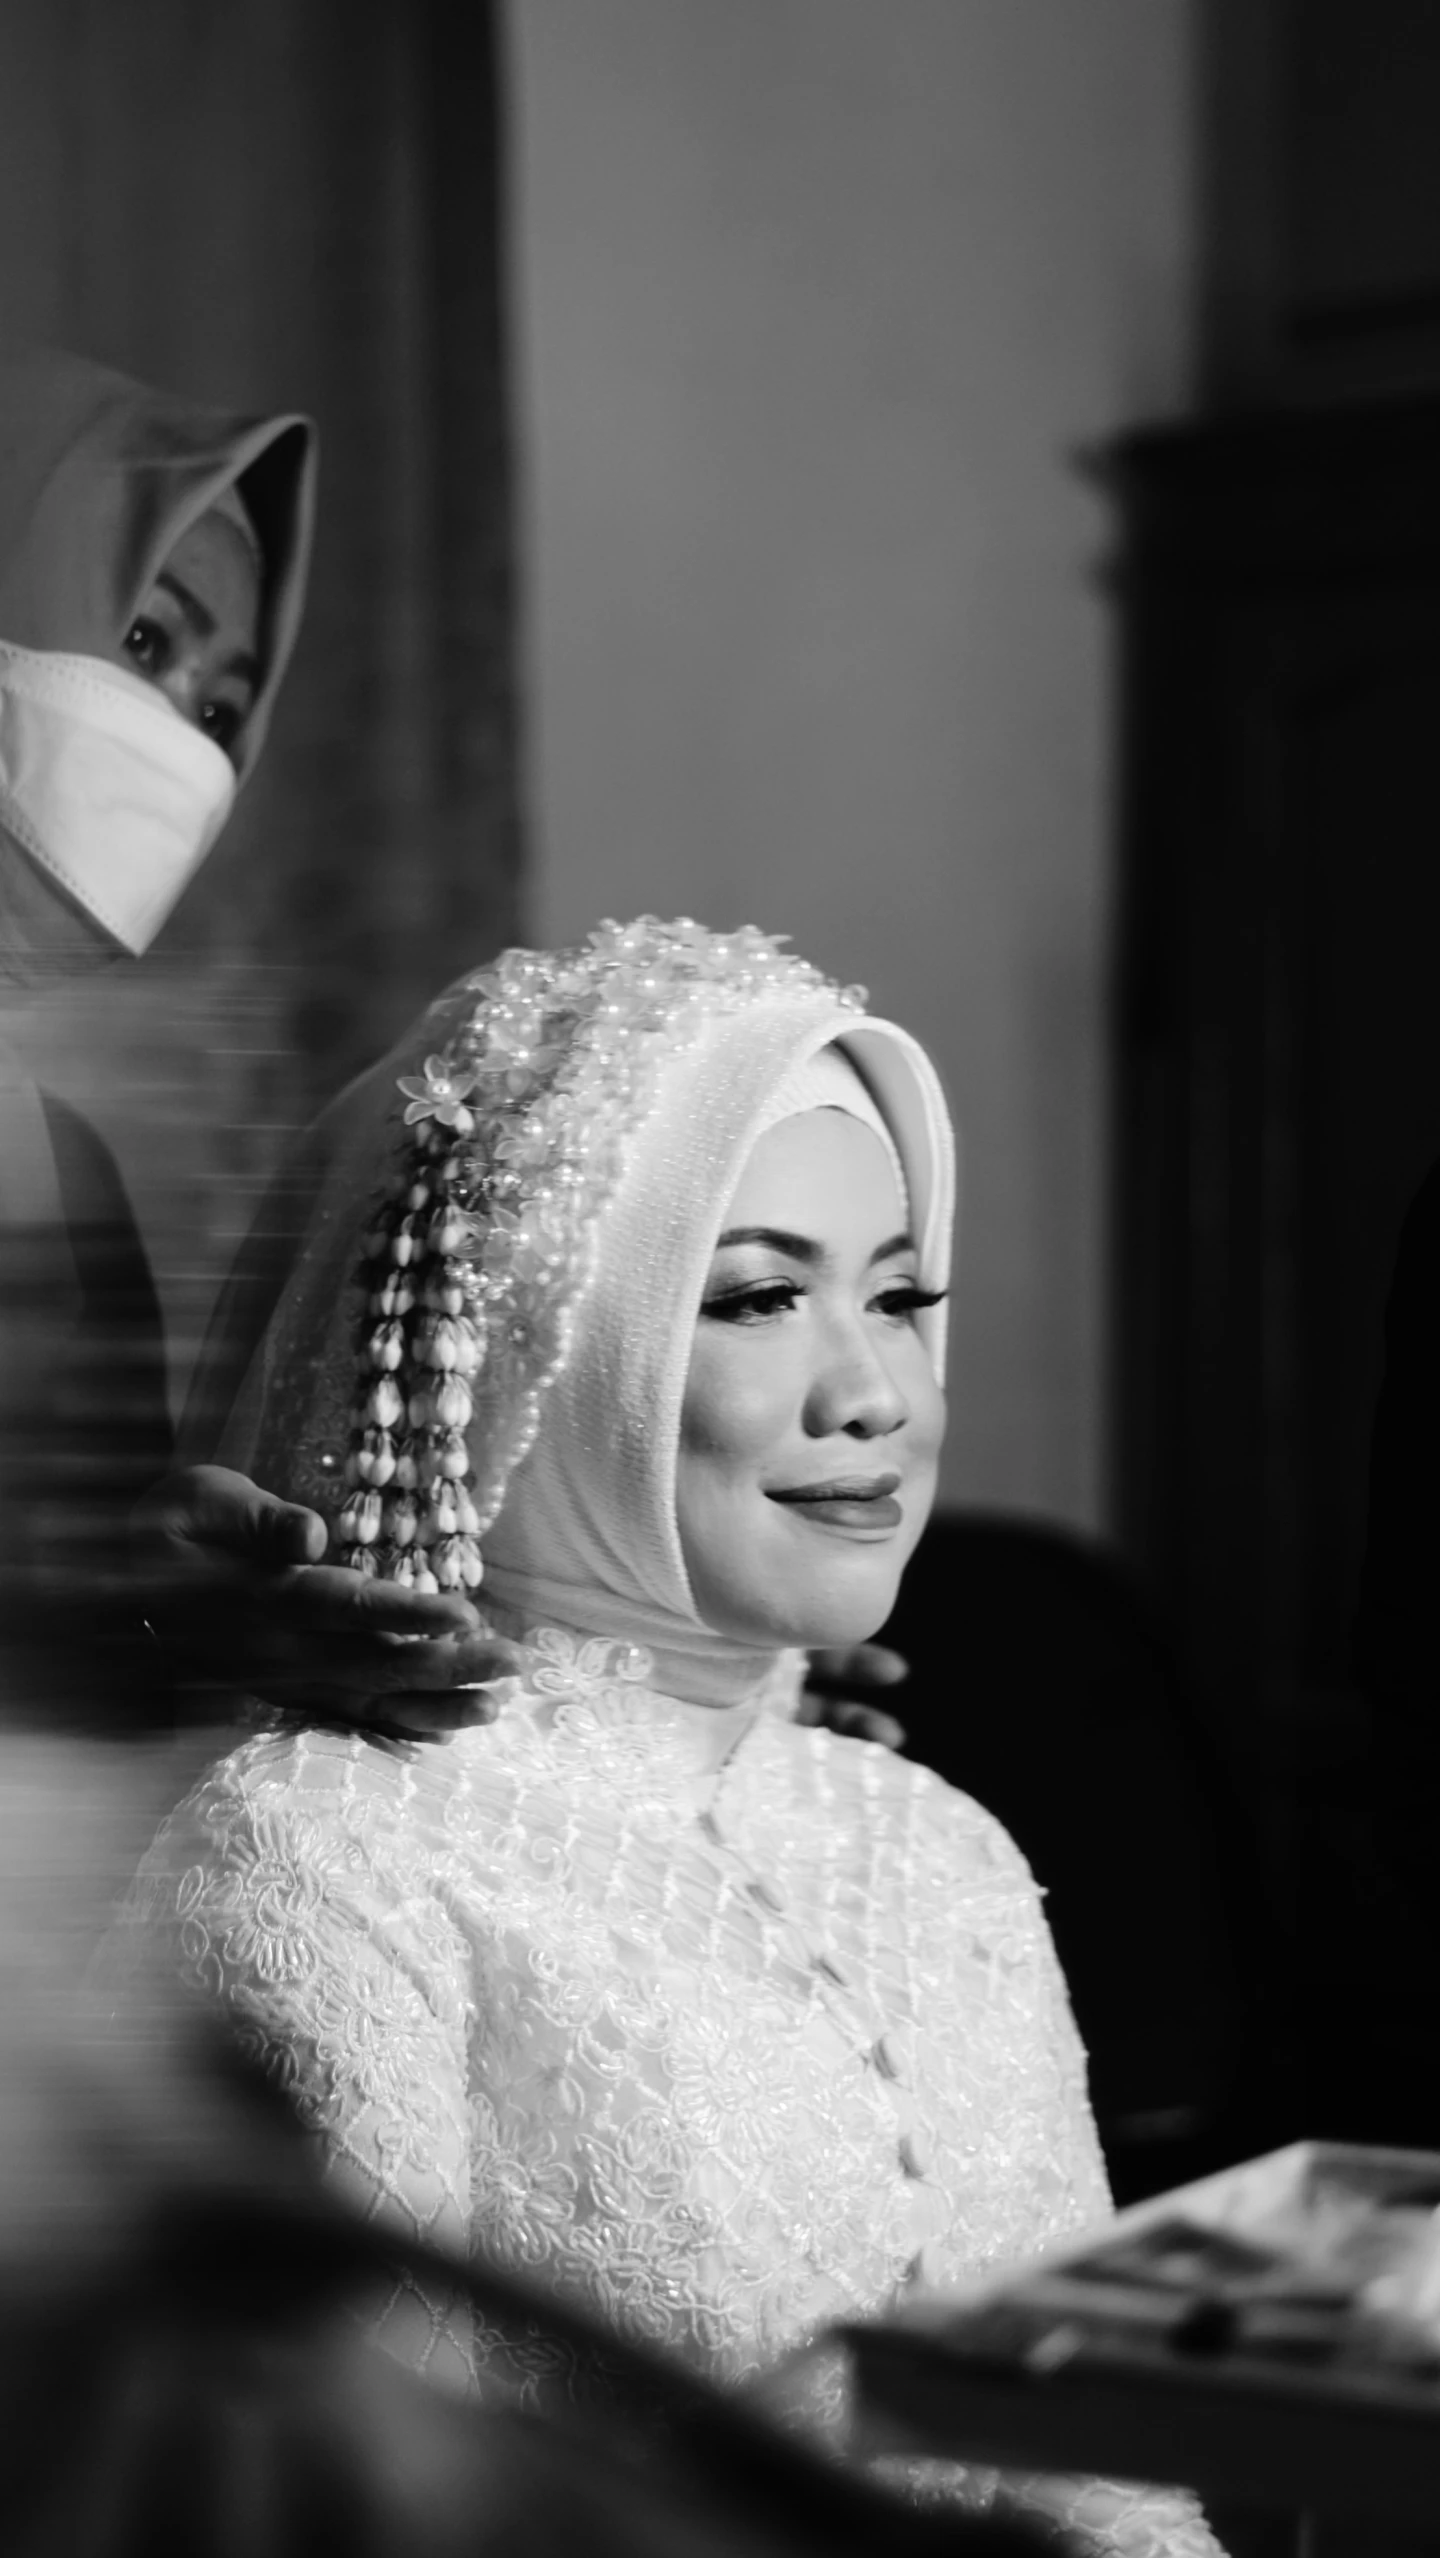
731, 2026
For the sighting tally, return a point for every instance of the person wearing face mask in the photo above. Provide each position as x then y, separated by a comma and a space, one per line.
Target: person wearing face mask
153, 556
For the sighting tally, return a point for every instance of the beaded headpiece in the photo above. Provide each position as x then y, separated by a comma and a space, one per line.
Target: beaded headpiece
478, 1256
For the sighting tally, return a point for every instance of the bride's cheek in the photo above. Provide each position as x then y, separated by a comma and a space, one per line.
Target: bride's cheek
928, 1412
729, 1412
702, 1414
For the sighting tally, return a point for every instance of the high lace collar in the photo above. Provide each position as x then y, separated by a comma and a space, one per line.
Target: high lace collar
595, 1696
693, 1664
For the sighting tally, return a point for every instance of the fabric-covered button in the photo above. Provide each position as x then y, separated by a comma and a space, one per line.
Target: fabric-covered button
915, 2154
766, 1894
885, 2053
833, 1969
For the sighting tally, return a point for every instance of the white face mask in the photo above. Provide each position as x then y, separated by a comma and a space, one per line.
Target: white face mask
106, 786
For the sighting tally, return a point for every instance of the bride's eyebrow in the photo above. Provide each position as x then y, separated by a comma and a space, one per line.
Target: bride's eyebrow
801, 1247
892, 1250
795, 1247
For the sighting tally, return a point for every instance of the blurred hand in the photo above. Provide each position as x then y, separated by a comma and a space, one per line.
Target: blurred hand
841, 1691
235, 1583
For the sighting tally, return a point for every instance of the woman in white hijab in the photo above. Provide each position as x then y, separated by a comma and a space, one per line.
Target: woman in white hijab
626, 1290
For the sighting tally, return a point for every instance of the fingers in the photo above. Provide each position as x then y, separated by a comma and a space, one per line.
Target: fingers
853, 1672
400, 1716
437, 1716
866, 1723
434, 1670
210, 1522
886, 1669
285, 1533
327, 1599
310, 1633
839, 1692
398, 1692
359, 1675
852, 1717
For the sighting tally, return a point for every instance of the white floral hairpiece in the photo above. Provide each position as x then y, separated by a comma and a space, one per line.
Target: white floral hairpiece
515, 1132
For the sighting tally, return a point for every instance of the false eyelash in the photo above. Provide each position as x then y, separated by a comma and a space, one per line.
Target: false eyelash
761, 1292
763, 1295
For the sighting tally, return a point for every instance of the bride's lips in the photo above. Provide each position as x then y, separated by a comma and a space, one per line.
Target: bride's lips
851, 1501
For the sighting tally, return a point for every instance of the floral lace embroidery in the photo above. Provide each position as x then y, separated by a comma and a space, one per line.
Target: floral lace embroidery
733, 2050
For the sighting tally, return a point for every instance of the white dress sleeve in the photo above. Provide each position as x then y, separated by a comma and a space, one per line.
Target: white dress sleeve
340, 1986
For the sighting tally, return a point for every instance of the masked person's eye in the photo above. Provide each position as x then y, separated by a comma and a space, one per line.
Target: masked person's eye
148, 646
221, 721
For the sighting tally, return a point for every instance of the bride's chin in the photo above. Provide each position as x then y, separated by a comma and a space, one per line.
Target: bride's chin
850, 1607
839, 1626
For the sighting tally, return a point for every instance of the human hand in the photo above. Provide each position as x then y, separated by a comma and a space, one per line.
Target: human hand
235, 1581
840, 1691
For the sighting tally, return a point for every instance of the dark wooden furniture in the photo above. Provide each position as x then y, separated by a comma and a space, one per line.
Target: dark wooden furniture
1320, 199
1278, 1010
1278, 1080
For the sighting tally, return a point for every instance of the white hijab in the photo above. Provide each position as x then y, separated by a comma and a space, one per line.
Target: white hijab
587, 1537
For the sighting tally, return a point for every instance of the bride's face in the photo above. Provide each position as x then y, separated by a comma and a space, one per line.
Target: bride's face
812, 1422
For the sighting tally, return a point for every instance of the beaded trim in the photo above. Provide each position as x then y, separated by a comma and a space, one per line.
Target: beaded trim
478, 1257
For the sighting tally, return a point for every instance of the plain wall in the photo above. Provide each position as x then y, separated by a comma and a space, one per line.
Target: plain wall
818, 306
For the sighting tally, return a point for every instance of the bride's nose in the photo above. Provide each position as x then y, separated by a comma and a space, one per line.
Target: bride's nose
852, 1390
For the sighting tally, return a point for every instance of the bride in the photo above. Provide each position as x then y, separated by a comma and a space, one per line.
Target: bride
626, 1286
